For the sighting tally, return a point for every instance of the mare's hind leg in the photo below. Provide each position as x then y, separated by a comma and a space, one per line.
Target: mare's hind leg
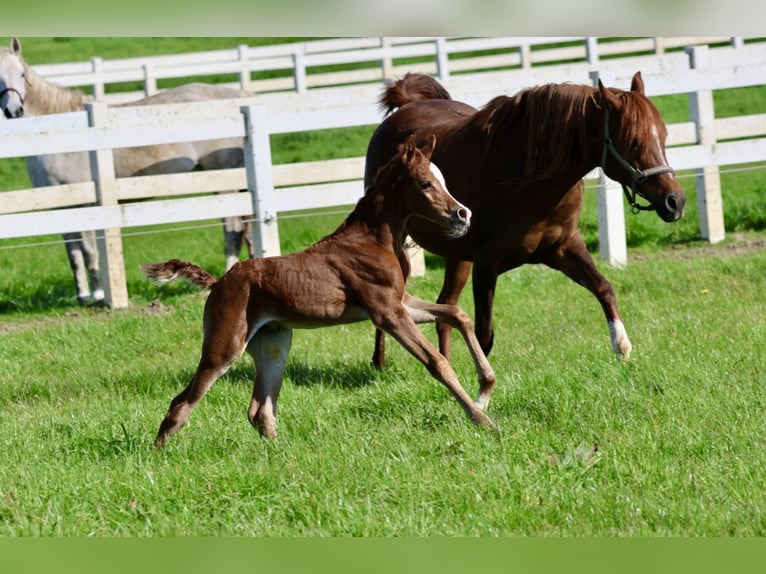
269, 349
454, 316
379, 354
484, 281
395, 320
574, 260
456, 275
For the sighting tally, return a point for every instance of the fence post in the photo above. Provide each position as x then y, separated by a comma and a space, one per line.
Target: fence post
386, 63
591, 50
442, 59
244, 71
150, 80
299, 71
260, 181
96, 64
612, 245
110, 253
708, 179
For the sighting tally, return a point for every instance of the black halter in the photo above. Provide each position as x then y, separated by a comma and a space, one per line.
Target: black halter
637, 176
18, 93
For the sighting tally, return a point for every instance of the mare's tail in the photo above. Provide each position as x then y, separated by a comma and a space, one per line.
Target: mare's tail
175, 269
411, 88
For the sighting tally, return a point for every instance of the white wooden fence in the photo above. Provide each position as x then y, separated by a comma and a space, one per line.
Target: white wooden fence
301, 66
703, 144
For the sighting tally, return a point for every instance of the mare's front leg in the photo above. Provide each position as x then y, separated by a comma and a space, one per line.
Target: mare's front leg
484, 283
395, 320
269, 349
456, 275
574, 260
453, 316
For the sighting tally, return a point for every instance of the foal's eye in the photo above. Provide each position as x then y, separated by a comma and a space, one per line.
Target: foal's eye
425, 184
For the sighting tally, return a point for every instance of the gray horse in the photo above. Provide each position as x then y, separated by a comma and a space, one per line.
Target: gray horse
23, 92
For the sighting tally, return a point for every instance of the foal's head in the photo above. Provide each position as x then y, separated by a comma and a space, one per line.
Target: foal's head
13, 89
424, 190
634, 150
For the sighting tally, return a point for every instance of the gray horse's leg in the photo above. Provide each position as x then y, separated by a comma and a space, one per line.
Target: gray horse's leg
90, 249
233, 233
74, 249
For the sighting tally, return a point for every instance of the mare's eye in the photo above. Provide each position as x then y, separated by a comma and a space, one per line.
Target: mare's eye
425, 184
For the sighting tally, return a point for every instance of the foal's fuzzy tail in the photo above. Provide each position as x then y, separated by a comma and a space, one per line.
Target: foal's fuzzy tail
175, 269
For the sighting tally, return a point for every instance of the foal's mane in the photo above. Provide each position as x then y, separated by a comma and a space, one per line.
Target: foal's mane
552, 123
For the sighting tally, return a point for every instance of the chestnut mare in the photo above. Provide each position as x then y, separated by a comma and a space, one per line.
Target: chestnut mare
518, 163
349, 276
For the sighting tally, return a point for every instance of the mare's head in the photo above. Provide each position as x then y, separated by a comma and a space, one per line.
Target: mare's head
424, 190
13, 88
634, 150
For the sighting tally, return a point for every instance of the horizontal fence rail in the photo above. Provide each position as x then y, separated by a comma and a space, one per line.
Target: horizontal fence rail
701, 145
301, 66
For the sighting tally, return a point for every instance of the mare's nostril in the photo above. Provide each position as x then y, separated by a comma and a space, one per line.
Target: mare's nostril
671, 203
464, 214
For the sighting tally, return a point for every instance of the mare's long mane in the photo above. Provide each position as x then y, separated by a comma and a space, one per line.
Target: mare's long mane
552, 124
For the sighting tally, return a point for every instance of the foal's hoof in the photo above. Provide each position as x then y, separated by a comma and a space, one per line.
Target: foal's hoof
482, 420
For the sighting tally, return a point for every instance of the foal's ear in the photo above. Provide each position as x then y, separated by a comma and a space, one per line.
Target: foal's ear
15, 46
428, 149
408, 150
637, 84
609, 98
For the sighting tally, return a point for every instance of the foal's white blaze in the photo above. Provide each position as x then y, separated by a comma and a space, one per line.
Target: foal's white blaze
437, 173
620, 342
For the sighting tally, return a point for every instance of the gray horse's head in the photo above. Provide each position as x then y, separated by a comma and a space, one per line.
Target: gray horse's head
13, 88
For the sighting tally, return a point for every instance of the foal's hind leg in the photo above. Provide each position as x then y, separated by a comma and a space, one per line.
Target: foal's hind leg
219, 352
574, 260
454, 316
269, 349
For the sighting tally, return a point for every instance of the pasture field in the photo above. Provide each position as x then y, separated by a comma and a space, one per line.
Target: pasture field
665, 445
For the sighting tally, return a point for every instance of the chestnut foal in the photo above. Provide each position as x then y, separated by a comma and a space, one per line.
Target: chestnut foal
351, 275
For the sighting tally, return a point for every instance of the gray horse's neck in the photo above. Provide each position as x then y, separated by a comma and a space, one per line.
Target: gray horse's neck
46, 98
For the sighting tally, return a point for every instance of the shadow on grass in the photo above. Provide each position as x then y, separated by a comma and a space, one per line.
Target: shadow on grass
335, 374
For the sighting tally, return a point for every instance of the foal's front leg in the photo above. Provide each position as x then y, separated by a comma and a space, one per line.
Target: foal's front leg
454, 317
396, 321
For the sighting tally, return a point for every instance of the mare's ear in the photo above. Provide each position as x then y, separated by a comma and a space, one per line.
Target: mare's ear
428, 149
15, 46
637, 84
609, 98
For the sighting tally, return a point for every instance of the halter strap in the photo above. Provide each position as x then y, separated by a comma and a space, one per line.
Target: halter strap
14, 90
637, 176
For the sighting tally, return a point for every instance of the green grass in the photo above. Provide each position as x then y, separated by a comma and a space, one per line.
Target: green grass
664, 445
